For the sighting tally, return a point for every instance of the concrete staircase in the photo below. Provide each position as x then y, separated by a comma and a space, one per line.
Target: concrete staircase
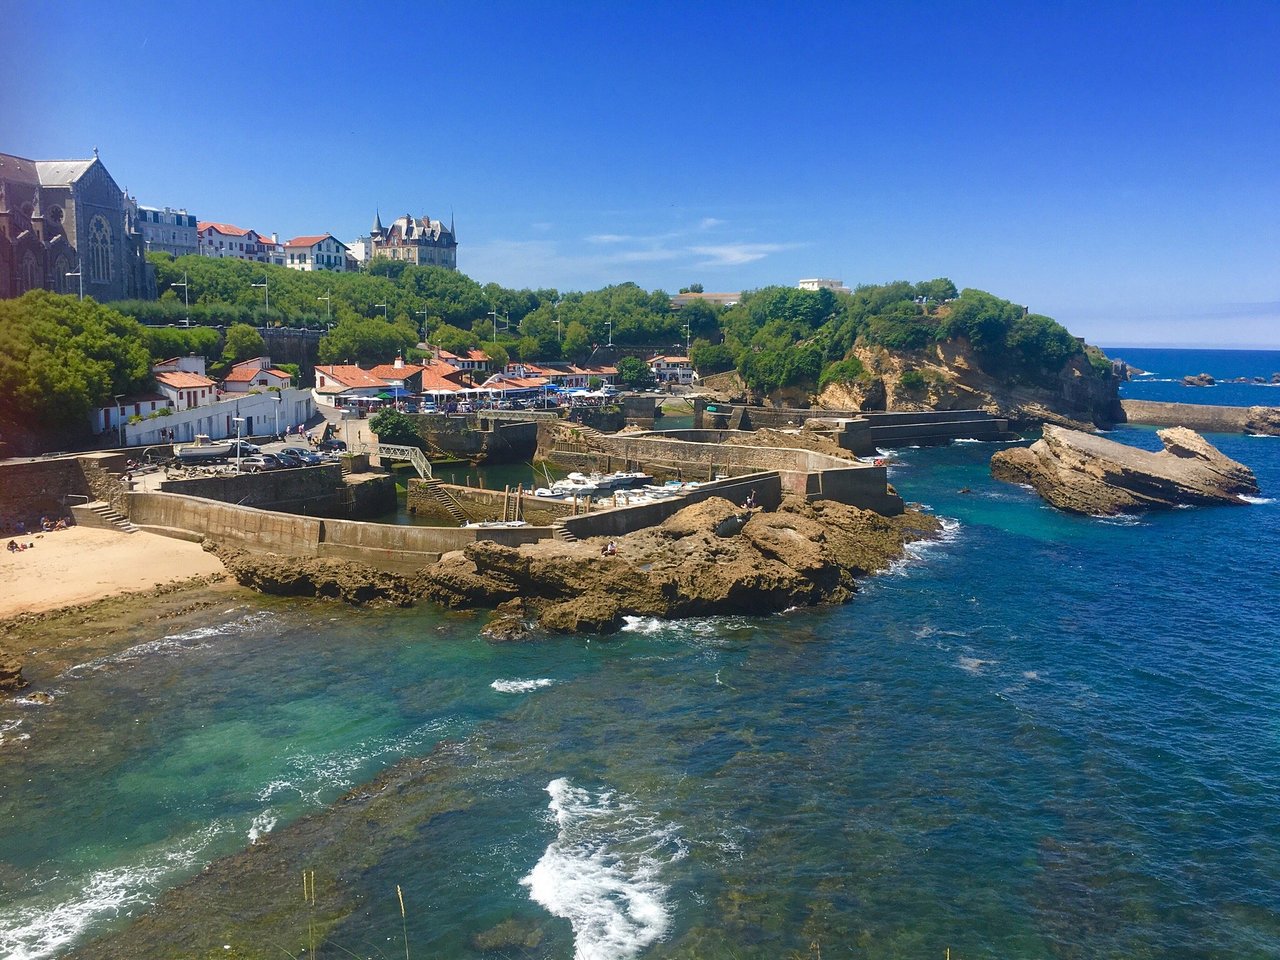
560, 532
447, 500
103, 516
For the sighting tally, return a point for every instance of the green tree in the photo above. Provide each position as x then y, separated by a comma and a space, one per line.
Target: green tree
711, 357
243, 342
366, 340
634, 373
59, 358
392, 426
498, 356
577, 341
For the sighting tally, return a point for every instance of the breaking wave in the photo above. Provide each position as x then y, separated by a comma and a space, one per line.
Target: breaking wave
603, 871
520, 686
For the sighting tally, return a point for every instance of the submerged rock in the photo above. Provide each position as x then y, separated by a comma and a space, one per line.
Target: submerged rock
1084, 473
11, 678
344, 580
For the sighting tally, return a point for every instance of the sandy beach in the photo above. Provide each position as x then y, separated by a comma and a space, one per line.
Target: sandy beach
82, 564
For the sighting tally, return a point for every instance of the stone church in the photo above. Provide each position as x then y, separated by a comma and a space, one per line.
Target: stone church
424, 241
60, 217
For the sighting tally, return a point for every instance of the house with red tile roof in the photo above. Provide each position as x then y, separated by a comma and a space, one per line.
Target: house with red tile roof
319, 252
672, 369
226, 240
256, 374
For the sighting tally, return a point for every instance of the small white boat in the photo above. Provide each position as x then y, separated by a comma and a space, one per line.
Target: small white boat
497, 524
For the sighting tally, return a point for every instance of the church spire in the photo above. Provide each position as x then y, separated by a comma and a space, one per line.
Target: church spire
377, 223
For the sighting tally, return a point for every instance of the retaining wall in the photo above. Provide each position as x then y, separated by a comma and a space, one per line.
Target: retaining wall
400, 549
312, 491
1202, 417
28, 491
623, 520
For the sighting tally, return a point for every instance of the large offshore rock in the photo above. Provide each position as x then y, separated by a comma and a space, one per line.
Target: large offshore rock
1085, 473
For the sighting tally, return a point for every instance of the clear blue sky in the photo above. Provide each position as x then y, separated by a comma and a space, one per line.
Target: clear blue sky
1116, 166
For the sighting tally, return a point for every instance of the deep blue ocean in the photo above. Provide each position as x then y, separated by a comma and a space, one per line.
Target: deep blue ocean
1042, 736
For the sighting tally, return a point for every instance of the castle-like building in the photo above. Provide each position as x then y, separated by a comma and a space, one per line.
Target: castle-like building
424, 242
66, 226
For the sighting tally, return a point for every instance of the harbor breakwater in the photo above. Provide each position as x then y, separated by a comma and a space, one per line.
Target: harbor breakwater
1203, 417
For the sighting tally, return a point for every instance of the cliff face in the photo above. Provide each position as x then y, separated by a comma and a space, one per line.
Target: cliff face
947, 376
1088, 474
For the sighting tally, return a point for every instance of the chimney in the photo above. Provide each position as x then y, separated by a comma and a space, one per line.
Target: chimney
399, 362
435, 351
275, 237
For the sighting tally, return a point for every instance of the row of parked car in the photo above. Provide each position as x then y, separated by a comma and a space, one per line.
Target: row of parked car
289, 457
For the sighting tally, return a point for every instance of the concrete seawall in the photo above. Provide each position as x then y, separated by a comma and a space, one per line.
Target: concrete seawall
399, 549
1201, 417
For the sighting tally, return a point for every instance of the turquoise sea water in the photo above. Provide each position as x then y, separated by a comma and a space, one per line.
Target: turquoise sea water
1044, 736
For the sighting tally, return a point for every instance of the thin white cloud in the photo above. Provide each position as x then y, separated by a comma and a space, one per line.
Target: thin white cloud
736, 254
610, 238
709, 223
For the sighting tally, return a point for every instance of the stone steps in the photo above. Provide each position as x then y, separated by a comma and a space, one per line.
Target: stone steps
560, 532
111, 518
445, 499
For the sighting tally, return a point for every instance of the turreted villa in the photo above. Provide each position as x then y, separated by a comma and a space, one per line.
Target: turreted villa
424, 241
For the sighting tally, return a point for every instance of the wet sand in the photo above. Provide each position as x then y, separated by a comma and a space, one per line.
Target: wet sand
83, 564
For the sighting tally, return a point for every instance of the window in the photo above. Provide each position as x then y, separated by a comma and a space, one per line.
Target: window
99, 250
30, 278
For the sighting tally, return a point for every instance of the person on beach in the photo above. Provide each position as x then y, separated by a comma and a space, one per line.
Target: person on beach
611, 549
13, 547
751, 501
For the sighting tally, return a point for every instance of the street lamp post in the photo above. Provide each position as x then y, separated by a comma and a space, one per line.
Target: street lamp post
266, 289
384, 309
686, 340
493, 315
119, 417
423, 315
328, 305
609, 324
238, 421
279, 400
186, 301
79, 275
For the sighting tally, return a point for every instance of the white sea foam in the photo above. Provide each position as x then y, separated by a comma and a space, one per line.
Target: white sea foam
44, 925
1262, 436
966, 440
172, 643
918, 550
262, 824
644, 624
602, 872
973, 664
311, 776
520, 686
1121, 519
1257, 500
1030, 675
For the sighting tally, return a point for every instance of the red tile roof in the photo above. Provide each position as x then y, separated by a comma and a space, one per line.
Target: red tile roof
389, 371
351, 375
181, 380
227, 229
246, 374
309, 241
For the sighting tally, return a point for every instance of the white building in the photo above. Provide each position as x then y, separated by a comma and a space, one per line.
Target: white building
183, 384
361, 249
261, 413
256, 374
229, 241
165, 230
672, 370
822, 283
322, 252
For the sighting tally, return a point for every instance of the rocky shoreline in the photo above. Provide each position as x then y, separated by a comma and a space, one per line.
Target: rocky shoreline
1087, 474
709, 558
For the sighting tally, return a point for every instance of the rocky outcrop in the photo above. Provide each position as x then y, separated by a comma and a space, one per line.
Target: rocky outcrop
344, 580
802, 554
11, 678
1198, 380
950, 376
1088, 474
1263, 421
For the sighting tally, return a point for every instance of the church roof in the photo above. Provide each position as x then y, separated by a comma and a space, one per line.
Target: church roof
18, 169
57, 172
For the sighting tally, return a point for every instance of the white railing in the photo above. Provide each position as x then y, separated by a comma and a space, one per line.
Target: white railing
394, 451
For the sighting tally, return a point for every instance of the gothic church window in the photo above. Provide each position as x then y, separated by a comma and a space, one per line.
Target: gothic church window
30, 277
99, 251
